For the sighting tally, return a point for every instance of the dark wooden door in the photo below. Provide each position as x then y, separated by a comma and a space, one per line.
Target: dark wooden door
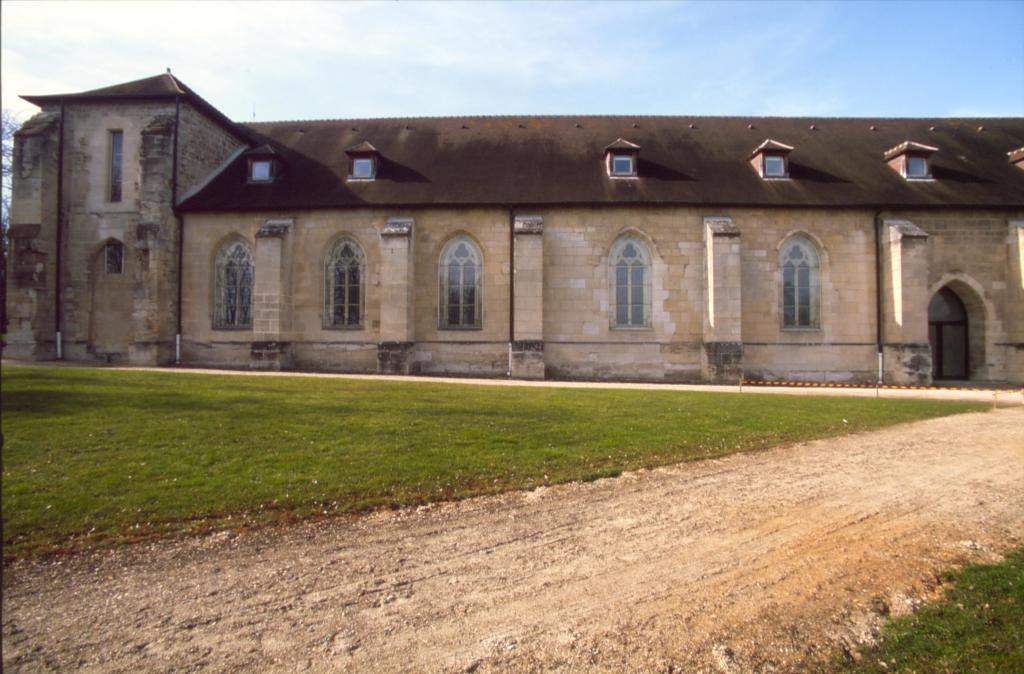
947, 333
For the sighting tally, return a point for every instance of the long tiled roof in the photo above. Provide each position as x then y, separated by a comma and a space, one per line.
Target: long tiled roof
558, 160
549, 160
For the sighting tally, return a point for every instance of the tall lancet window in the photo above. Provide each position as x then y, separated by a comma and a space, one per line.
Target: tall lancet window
233, 279
631, 283
460, 271
343, 285
801, 284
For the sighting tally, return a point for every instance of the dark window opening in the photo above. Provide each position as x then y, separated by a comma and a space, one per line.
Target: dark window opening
917, 167
362, 168
113, 254
261, 170
116, 159
774, 166
623, 165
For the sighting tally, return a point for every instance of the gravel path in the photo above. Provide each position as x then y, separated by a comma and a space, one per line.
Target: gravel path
767, 560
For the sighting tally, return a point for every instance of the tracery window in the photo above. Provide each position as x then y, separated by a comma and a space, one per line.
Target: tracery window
343, 285
630, 263
233, 281
459, 276
801, 286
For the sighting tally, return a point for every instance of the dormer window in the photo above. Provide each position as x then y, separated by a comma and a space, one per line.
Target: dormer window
771, 159
261, 170
911, 160
621, 159
1017, 157
363, 162
264, 164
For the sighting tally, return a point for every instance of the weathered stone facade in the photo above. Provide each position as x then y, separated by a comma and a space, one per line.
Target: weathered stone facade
713, 306
127, 317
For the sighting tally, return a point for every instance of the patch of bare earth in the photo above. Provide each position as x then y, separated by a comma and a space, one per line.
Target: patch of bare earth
761, 561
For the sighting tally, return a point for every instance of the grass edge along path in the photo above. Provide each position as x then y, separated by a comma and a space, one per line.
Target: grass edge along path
95, 457
977, 626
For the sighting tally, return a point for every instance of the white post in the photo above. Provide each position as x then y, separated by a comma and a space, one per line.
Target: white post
60, 353
177, 349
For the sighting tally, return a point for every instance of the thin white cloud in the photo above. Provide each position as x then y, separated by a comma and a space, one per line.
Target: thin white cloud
334, 59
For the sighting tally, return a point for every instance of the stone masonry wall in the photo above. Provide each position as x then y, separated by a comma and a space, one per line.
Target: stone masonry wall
578, 340
127, 317
141, 221
843, 347
31, 270
970, 252
202, 147
304, 247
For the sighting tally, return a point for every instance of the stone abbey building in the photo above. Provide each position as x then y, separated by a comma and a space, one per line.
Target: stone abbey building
149, 228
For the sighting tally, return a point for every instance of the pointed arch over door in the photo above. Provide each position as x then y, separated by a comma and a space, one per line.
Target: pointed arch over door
948, 336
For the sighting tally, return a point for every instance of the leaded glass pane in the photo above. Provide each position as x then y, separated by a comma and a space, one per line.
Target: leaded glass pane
343, 285
233, 279
800, 286
630, 281
460, 285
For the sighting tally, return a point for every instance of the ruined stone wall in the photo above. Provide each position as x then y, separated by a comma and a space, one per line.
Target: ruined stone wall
203, 146
127, 317
31, 270
142, 221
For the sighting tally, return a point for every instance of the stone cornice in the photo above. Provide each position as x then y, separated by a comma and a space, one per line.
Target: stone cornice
720, 225
528, 224
275, 228
905, 229
398, 227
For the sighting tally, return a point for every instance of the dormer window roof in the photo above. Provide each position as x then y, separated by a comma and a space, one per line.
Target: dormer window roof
263, 164
1017, 157
911, 160
771, 159
363, 162
620, 158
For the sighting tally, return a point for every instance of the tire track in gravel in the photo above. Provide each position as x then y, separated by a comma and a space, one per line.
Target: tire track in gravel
767, 559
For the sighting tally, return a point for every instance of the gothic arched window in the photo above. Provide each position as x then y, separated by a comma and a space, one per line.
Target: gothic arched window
630, 264
344, 272
459, 274
801, 285
232, 290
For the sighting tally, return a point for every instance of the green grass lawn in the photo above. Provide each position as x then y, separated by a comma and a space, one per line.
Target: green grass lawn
96, 456
977, 627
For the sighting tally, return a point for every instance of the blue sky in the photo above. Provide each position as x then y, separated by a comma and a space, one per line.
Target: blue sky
291, 60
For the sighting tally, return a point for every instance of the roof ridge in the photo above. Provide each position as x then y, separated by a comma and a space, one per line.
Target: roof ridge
625, 116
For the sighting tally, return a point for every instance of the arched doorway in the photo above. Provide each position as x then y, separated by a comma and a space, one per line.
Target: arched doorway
110, 321
948, 336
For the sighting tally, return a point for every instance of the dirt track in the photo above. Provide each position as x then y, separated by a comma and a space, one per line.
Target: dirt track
764, 560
